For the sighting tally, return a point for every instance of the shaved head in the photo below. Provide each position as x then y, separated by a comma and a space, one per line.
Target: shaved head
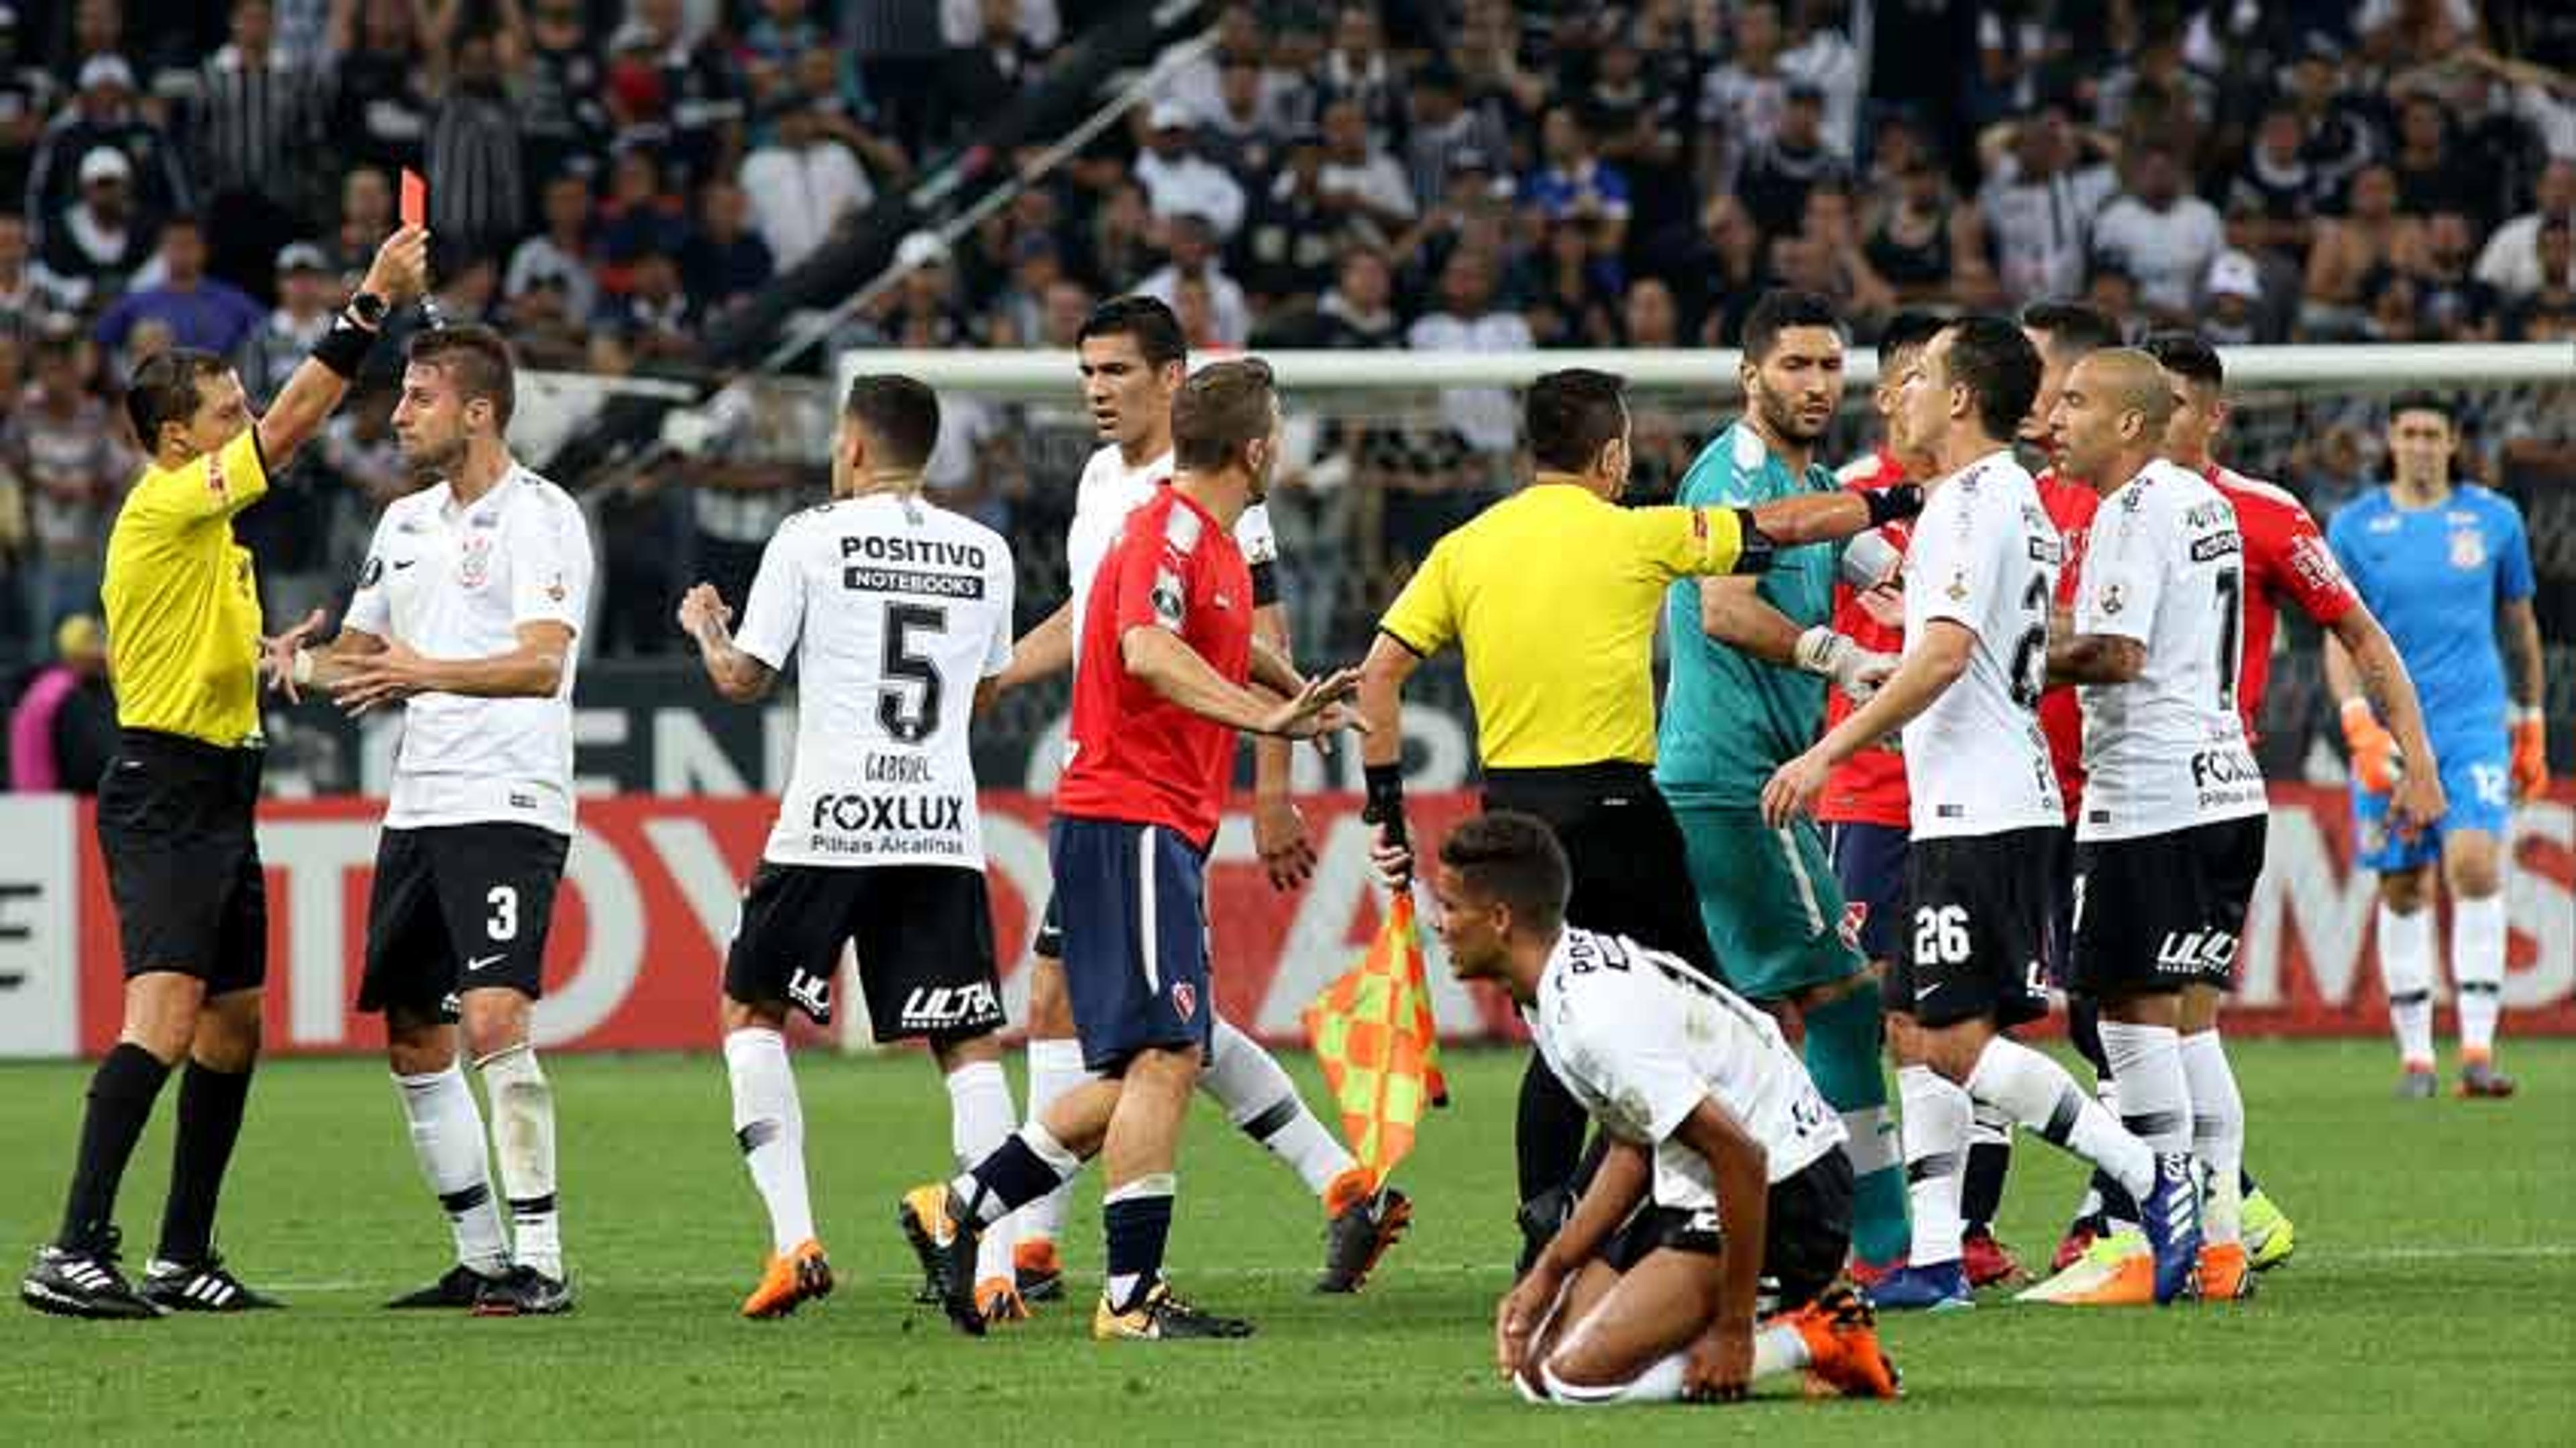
2130, 380
2110, 416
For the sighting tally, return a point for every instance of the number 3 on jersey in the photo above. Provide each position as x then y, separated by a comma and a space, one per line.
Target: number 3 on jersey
910, 720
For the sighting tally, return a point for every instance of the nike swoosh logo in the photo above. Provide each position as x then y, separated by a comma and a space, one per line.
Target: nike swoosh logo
480, 961
402, 563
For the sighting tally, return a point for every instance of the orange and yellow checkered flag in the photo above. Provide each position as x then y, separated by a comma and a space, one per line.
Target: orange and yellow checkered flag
1375, 1038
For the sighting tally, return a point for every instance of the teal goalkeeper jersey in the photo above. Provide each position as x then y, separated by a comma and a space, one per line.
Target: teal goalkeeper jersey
1729, 719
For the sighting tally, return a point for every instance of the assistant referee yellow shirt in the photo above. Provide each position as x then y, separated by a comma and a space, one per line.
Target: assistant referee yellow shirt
1553, 594
182, 605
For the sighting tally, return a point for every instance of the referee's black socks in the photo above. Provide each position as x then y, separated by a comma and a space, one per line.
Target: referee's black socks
120, 1101
210, 1120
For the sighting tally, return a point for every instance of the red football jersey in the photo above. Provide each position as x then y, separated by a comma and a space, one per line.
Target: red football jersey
1136, 756
2071, 507
1869, 787
2285, 558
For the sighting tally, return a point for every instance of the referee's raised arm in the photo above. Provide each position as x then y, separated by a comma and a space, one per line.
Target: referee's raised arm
399, 273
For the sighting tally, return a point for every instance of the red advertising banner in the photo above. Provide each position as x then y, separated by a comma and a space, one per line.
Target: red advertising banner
635, 960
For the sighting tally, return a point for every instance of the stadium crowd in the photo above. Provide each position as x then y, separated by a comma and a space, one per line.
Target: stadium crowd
606, 177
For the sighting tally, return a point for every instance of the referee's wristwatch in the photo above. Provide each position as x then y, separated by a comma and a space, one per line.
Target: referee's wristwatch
369, 310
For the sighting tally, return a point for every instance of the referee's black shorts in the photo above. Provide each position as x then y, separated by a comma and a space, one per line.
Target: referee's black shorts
175, 827
1631, 876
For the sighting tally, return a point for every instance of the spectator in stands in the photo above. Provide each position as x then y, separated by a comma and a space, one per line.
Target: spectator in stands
202, 312
1037, 22
702, 91
28, 97
1578, 290
1443, 128
1927, 247
2547, 313
382, 113
258, 122
724, 263
777, 35
1726, 272
650, 323
1178, 180
478, 184
1648, 315
1776, 176
2234, 312
1820, 55
803, 184
366, 219
2337, 135
985, 73
1294, 234
2457, 306
1068, 303
2044, 182
2430, 176
546, 329
1360, 182
1479, 420
2370, 235
1197, 84
1244, 132
639, 214
2112, 291
1118, 245
1572, 186
1641, 130
2156, 94
2279, 184
1826, 255
1358, 314
63, 730
1357, 70
28, 292
289, 530
1016, 316
558, 256
308, 292
361, 471
94, 247
1192, 247
2510, 263
64, 449
103, 117
2159, 233
1742, 98
557, 74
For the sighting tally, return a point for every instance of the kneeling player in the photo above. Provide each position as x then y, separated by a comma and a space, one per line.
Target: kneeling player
878, 842
1718, 1142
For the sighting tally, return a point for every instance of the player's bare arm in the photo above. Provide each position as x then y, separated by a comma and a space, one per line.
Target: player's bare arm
1042, 653
399, 273
2521, 638
1829, 517
2096, 659
2362, 666
708, 620
532, 670
1933, 663
1733, 612
1170, 667
1721, 1363
1617, 1187
1381, 709
290, 666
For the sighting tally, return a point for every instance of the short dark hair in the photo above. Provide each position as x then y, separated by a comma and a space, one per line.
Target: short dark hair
2186, 354
2424, 400
1147, 319
1224, 406
2000, 368
1572, 414
1780, 309
2073, 328
476, 359
163, 390
899, 414
1514, 858
1910, 328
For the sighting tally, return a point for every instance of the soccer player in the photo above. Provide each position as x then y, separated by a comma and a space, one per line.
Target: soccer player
1133, 361
1553, 596
2288, 563
466, 613
175, 808
1167, 656
1722, 1165
2448, 568
2171, 838
1752, 661
898, 613
1980, 575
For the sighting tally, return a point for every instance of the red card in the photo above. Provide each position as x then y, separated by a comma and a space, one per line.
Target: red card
415, 199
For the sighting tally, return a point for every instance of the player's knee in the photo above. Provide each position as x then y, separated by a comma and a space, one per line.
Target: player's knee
2405, 891
952, 1052
494, 1021
2470, 868
752, 1015
1050, 1009
2199, 1011
228, 1034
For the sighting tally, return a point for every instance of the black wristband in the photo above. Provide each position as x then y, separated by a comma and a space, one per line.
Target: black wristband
1893, 503
344, 348
1754, 549
1385, 793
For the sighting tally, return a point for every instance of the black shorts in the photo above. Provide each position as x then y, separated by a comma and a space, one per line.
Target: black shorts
1806, 1231
2156, 913
923, 935
457, 908
1976, 927
1631, 866
175, 826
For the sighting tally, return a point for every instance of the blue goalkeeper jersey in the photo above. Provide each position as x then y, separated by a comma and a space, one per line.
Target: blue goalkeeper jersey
1730, 719
2435, 576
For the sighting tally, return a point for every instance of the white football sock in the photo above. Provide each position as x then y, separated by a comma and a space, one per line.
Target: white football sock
1777, 1349
1263, 1103
2043, 1098
1934, 1131
2107, 1091
979, 1121
2155, 1101
1870, 1140
1055, 1067
2406, 970
523, 1140
769, 1123
2477, 969
2217, 1133
447, 1140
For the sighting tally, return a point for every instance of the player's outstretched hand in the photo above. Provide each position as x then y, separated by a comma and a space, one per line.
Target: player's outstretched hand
400, 271
1320, 708
1792, 790
703, 611
277, 655
1519, 1314
1279, 837
1720, 1366
1884, 602
2416, 803
394, 673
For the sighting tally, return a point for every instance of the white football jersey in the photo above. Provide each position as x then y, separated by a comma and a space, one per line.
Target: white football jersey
1108, 492
1641, 1039
895, 609
2166, 750
1985, 555
456, 582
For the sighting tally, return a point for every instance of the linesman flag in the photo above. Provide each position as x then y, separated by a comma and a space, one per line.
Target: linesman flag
1374, 1036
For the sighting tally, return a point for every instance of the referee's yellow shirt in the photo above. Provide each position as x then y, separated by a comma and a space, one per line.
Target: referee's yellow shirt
182, 606
1553, 594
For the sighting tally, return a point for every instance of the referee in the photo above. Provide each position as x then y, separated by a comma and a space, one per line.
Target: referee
174, 811
1553, 596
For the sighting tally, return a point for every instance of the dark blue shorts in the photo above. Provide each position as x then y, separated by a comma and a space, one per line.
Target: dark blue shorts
1136, 954
1869, 860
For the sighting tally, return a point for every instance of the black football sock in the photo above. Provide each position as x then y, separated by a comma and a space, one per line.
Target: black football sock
1137, 1218
120, 1101
1981, 1189
210, 1121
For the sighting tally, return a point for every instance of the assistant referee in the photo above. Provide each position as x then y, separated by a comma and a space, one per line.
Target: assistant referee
1553, 595
175, 808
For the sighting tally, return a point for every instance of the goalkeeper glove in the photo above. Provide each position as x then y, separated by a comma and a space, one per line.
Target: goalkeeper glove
2375, 761
2530, 752
1855, 670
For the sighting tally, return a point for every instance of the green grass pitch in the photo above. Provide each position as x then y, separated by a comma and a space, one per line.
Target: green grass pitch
2427, 1303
